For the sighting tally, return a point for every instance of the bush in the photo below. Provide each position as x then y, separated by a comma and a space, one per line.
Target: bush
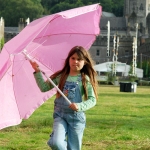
133, 78
144, 83
1, 43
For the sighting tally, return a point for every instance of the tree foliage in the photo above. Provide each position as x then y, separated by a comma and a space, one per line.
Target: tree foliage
1, 43
54, 6
13, 10
146, 68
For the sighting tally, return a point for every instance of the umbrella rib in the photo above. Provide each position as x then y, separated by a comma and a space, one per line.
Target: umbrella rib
54, 35
63, 34
42, 29
60, 15
9, 65
14, 90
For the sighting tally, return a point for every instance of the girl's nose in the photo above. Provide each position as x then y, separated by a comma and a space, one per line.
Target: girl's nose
76, 61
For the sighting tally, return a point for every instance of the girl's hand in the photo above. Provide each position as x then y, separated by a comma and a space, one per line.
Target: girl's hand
73, 106
35, 66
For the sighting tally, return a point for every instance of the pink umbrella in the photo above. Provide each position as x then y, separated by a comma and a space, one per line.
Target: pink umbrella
46, 40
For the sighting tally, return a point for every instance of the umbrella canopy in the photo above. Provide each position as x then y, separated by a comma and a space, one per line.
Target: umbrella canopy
47, 40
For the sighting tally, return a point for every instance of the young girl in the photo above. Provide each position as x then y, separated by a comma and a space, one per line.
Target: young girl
76, 79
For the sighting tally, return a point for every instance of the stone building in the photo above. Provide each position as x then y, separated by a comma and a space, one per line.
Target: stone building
135, 11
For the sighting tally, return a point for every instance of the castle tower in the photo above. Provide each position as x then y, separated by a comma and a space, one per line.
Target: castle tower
136, 11
22, 23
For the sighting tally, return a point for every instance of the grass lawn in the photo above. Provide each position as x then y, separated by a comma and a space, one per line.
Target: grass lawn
119, 121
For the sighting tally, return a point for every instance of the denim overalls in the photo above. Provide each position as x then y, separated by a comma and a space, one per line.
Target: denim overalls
68, 125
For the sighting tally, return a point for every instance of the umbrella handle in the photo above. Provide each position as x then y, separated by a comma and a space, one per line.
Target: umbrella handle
49, 79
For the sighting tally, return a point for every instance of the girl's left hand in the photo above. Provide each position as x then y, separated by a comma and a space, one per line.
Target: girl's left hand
73, 106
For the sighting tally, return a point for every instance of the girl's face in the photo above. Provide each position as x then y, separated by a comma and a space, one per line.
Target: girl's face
76, 64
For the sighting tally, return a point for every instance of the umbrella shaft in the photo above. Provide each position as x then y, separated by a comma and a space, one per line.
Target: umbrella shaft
56, 87
29, 58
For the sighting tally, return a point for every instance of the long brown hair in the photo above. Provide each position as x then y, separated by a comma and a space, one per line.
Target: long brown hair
87, 70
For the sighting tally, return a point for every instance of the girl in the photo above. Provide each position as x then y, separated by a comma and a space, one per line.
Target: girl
76, 79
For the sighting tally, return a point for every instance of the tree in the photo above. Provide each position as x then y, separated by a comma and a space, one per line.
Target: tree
117, 7
54, 6
106, 5
36, 1
13, 10
61, 7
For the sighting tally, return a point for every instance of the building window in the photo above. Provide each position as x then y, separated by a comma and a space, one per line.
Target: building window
141, 7
97, 52
126, 53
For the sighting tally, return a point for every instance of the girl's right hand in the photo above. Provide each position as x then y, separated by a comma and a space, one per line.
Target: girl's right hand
73, 106
35, 66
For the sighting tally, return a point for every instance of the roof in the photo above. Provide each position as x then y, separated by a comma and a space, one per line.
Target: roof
107, 14
120, 67
11, 30
115, 22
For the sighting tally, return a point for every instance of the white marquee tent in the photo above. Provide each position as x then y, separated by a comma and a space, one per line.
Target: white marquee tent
121, 67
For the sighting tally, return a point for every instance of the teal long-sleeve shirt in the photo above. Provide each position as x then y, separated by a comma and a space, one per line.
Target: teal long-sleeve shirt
84, 105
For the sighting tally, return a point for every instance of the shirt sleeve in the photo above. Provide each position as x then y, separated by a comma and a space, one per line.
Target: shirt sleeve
43, 85
90, 102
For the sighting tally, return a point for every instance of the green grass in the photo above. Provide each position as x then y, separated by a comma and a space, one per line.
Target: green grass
119, 121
